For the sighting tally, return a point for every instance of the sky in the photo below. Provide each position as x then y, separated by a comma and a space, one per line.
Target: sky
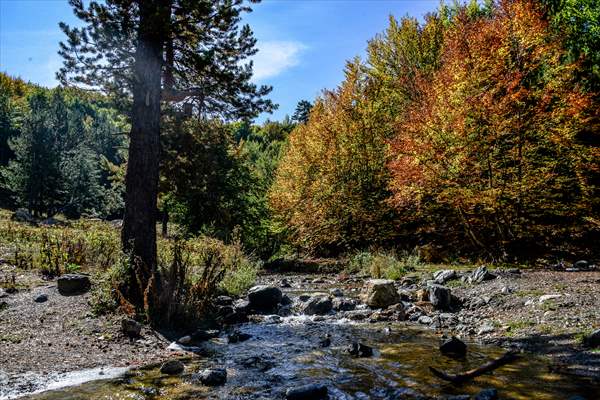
303, 44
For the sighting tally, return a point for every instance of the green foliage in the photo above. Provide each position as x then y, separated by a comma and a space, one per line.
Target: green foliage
386, 265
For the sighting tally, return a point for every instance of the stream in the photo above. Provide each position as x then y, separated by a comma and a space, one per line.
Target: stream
287, 354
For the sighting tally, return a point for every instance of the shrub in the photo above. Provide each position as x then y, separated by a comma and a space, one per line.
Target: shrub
384, 264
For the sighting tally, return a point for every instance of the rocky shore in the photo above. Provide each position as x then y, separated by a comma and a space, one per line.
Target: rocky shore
45, 330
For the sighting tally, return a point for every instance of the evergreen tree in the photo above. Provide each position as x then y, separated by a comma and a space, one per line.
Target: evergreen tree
302, 112
176, 51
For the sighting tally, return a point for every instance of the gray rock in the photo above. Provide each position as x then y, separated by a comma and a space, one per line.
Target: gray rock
360, 350
336, 292
593, 339
380, 293
212, 376
453, 346
486, 328
317, 305
581, 265
130, 327
223, 301
185, 340
284, 283
237, 337
172, 367
440, 297
548, 297
71, 284
285, 300
481, 274
425, 320
487, 394
307, 392
442, 276
264, 298
40, 298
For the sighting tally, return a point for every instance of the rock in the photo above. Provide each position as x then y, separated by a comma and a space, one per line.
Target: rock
336, 292
318, 280
53, 222
22, 215
357, 315
454, 346
130, 327
422, 295
71, 284
202, 335
440, 297
481, 274
224, 301
285, 300
313, 391
284, 311
425, 320
487, 394
172, 367
317, 305
242, 306
360, 350
116, 223
581, 265
264, 298
380, 293
212, 376
325, 342
506, 290
3, 293
486, 328
593, 339
185, 340
547, 297
271, 319
40, 298
237, 337
304, 297
284, 283
442, 276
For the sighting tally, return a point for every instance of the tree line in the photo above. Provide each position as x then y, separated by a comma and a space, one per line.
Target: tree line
476, 131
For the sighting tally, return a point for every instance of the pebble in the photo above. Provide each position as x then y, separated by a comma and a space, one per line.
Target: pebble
41, 298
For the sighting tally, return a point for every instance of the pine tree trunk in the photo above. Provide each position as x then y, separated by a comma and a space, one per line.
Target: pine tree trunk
139, 222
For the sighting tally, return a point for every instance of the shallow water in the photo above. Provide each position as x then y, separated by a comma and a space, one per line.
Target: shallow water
284, 355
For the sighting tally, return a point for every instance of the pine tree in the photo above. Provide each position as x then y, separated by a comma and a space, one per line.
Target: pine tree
302, 112
153, 51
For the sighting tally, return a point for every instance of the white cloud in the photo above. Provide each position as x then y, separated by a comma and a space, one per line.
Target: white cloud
274, 57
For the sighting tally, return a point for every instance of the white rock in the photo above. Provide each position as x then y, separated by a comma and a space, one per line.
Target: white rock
547, 297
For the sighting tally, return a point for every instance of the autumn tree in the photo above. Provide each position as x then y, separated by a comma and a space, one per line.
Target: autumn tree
188, 53
491, 144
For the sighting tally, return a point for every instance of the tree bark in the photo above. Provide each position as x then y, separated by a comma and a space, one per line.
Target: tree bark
139, 222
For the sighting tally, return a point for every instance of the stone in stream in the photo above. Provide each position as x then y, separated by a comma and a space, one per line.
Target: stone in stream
313, 391
41, 298
237, 337
284, 283
442, 276
593, 339
581, 265
224, 301
454, 346
264, 297
130, 327
317, 305
325, 342
343, 304
486, 394
481, 274
70, 284
172, 367
440, 297
336, 292
212, 376
360, 350
380, 293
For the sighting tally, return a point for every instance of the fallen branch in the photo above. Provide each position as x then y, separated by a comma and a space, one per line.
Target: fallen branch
508, 357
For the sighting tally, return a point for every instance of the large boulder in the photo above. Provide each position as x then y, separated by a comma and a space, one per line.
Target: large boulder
343, 304
440, 297
264, 298
454, 347
317, 305
70, 284
130, 327
380, 293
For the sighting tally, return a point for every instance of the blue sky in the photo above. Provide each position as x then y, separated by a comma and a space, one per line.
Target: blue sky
303, 44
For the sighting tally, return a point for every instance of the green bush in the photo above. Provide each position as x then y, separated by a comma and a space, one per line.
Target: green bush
384, 264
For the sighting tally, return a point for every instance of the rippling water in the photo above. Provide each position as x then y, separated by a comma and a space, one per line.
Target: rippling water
283, 355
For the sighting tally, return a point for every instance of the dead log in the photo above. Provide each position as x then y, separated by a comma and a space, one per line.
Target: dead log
508, 357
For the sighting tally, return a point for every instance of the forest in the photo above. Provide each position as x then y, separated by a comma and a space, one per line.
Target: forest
431, 219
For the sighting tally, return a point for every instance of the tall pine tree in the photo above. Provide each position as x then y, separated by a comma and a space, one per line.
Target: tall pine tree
186, 52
